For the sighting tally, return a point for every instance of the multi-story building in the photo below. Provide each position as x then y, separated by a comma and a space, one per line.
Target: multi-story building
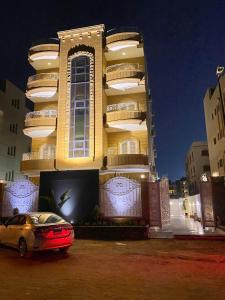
214, 119
197, 164
92, 108
13, 143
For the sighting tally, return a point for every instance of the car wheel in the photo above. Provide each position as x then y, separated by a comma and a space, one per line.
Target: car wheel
23, 249
63, 250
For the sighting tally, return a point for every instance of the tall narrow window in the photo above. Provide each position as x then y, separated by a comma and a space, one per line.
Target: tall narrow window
79, 107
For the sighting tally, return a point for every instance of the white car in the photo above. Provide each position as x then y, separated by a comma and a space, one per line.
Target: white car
37, 231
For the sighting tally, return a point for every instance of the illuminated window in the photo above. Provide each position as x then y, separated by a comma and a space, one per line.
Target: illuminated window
47, 151
129, 147
79, 107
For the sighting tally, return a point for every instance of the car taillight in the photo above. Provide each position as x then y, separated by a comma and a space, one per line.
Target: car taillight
42, 232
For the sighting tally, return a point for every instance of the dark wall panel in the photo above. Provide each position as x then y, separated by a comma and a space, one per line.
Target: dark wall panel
70, 194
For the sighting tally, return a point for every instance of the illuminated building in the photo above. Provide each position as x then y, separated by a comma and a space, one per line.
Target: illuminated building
197, 163
92, 108
13, 142
214, 119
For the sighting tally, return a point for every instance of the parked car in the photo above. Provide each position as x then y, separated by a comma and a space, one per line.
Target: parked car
37, 231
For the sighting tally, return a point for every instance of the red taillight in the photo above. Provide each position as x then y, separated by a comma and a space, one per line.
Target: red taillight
53, 231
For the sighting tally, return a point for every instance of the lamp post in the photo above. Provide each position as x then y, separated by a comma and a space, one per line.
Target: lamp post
219, 73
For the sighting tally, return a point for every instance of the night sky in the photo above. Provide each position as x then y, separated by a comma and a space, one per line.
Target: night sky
184, 40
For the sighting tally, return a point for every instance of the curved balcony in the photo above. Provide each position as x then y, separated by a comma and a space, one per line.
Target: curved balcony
121, 39
40, 123
128, 160
44, 54
126, 120
42, 86
32, 163
125, 76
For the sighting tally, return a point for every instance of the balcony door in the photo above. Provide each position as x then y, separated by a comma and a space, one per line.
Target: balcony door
47, 151
130, 146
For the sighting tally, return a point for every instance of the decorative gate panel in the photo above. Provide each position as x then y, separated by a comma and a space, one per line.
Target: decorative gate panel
21, 194
121, 197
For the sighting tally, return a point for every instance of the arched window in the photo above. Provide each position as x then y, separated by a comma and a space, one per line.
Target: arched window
79, 107
130, 146
47, 151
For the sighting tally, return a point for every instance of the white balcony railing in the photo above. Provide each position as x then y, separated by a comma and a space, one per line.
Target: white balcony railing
41, 114
43, 76
38, 155
122, 106
125, 67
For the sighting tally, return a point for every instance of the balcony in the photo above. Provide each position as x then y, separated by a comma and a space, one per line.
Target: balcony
126, 120
127, 160
125, 42
44, 54
42, 87
32, 163
125, 77
40, 123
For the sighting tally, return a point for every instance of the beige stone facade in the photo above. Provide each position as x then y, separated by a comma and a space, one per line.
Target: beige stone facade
197, 164
118, 135
214, 120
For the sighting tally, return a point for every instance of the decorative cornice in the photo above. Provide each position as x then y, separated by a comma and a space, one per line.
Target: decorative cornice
81, 31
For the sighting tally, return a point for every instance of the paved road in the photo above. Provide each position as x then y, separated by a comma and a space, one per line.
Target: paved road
153, 269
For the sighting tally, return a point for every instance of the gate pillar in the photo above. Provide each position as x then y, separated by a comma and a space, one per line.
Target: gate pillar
208, 219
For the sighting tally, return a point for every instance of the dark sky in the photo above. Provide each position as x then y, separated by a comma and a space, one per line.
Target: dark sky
184, 40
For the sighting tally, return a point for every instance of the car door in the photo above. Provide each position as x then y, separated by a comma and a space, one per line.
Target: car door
7, 234
15, 230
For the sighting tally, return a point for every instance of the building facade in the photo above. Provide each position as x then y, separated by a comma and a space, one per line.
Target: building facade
92, 107
13, 143
214, 119
196, 164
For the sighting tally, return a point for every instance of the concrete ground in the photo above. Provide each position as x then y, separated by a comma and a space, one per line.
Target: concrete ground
152, 270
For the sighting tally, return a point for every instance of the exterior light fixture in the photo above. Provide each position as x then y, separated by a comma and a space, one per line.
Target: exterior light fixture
143, 176
124, 53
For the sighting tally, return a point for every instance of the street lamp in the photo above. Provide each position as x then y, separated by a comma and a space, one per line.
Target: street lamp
219, 73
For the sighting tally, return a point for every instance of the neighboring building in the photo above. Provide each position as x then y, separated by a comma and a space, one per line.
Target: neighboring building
92, 108
197, 163
214, 120
178, 188
13, 143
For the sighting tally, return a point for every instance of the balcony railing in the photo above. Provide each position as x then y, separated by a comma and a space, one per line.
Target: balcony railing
124, 70
44, 46
124, 115
41, 114
127, 159
43, 76
37, 155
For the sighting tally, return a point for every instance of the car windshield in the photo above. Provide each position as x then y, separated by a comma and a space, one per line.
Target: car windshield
46, 219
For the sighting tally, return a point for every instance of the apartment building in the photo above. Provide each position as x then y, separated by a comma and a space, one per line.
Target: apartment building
196, 164
13, 143
92, 106
214, 119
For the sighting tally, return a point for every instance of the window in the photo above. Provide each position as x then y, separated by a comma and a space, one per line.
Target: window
129, 147
220, 163
13, 128
11, 150
205, 152
47, 151
79, 107
212, 117
15, 103
214, 141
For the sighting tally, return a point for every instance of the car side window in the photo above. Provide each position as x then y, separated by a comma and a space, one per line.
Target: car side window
13, 221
